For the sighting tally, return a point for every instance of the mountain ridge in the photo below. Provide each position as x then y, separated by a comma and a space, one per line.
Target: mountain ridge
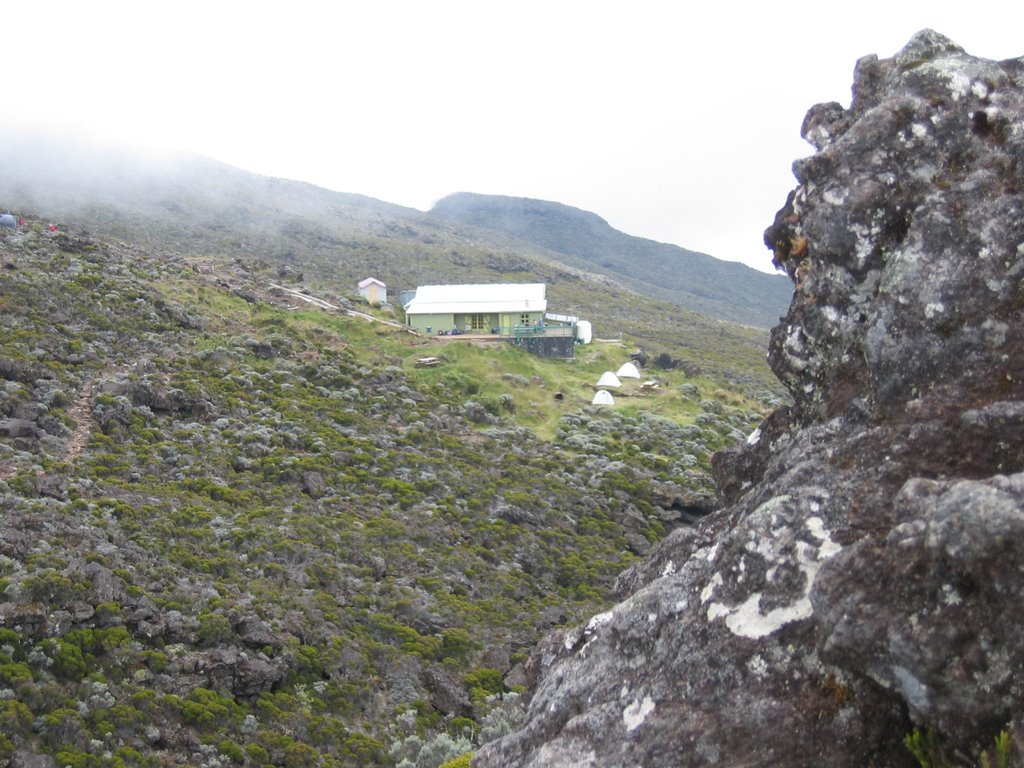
195, 202
688, 278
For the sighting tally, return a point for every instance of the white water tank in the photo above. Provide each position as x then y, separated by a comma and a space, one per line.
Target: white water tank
584, 331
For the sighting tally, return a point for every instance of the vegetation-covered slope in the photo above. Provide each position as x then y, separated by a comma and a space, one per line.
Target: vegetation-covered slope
236, 532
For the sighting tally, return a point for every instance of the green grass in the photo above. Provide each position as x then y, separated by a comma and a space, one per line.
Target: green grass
488, 371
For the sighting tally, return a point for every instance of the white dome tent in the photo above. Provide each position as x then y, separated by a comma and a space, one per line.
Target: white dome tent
609, 379
628, 371
603, 397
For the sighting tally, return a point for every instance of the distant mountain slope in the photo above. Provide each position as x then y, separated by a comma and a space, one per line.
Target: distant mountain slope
721, 289
198, 212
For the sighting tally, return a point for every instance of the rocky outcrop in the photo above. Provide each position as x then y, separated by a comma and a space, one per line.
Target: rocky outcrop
863, 578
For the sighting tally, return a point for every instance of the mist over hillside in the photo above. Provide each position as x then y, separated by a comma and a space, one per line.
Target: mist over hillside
90, 181
194, 204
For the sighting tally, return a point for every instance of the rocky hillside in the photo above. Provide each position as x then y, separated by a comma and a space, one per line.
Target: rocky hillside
185, 206
856, 601
239, 530
689, 279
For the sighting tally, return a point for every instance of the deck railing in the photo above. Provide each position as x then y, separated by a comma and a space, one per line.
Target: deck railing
522, 331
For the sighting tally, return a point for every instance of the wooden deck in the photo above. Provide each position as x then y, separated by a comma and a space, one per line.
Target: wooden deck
469, 337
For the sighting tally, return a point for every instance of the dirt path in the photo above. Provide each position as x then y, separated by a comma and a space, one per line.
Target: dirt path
301, 296
81, 413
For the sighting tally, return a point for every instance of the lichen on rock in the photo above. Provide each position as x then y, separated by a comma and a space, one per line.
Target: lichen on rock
862, 577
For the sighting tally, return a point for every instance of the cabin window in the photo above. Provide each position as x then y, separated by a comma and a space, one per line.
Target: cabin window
476, 323
524, 319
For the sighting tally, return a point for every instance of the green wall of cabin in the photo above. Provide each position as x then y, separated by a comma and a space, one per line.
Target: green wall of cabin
504, 321
435, 323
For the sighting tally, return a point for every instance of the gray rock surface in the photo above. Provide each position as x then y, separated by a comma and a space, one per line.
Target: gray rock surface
863, 577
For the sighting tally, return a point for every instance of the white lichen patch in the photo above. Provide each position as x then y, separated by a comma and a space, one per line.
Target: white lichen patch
709, 589
835, 196
827, 548
598, 621
996, 332
716, 610
950, 596
819, 136
771, 508
748, 620
866, 239
794, 346
589, 632
669, 569
758, 666
831, 313
760, 546
934, 309
635, 714
957, 82
754, 437
923, 172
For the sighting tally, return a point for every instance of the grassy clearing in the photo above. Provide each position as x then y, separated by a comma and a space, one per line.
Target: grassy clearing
543, 390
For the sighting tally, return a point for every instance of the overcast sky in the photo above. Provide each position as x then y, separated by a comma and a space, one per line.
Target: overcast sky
675, 121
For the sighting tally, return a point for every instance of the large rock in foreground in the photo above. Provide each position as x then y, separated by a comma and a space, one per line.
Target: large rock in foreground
864, 577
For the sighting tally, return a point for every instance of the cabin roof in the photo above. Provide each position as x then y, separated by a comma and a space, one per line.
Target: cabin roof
478, 299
